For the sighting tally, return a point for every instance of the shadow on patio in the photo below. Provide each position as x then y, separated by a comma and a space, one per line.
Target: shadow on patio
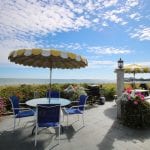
102, 131
20, 139
123, 137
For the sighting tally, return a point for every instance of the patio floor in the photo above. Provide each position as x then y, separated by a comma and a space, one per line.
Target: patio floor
102, 131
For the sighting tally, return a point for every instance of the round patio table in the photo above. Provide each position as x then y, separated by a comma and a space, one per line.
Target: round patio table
45, 100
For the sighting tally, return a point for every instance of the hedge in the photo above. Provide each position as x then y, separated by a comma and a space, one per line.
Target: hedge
26, 92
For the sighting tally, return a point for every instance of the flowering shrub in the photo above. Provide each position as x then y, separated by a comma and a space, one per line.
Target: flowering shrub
73, 92
136, 98
133, 106
2, 105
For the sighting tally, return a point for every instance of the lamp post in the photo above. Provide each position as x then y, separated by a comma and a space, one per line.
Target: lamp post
120, 85
120, 63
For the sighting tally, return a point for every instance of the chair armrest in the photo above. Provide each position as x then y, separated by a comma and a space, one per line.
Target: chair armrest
75, 101
77, 106
22, 103
22, 109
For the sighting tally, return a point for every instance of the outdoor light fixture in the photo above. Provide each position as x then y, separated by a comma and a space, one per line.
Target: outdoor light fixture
120, 63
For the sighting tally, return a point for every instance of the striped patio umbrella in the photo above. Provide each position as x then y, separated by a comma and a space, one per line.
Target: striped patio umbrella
136, 68
47, 59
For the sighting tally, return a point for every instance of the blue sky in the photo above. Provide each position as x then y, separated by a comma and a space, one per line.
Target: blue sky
100, 30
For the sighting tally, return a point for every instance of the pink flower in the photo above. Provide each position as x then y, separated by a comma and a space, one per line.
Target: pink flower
135, 102
140, 96
138, 93
129, 97
1, 104
128, 90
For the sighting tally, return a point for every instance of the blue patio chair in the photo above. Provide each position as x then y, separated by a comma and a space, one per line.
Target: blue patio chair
19, 112
52, 94
48, 115
78, 109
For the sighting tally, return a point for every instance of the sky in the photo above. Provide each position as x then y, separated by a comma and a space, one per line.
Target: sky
103, 31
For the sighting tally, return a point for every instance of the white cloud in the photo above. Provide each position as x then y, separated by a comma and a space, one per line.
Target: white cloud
108, 3
70, 4
106, 62
143, 33
7, 46
104, 50
68, 46
81, 21
90, 5
121, 10
99, 64
105, 24
118, 15
95, 51
96, 20
132, 3
35, 18
107, 50
42, 17
22, 21
144, 63
111, 16
135, 16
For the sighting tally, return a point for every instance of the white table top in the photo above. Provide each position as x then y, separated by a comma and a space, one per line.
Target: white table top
61, 101
140, 90
147, 97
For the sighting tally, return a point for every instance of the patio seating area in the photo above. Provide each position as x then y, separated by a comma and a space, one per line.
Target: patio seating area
102, 131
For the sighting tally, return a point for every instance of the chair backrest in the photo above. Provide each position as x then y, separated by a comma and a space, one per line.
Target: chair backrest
15, 104
53, 94
48, 113
36, 94
82, 101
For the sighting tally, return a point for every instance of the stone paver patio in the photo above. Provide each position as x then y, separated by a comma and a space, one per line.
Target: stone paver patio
102, 131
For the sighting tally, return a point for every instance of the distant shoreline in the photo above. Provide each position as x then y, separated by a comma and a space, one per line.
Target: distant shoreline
13, 81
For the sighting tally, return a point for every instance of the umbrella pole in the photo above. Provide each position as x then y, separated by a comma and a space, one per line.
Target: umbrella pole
134, 80
50, 83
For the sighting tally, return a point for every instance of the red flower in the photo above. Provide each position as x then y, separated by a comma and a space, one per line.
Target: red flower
129, 90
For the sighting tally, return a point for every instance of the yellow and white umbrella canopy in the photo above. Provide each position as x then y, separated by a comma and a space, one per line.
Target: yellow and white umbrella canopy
136, 68
47, 58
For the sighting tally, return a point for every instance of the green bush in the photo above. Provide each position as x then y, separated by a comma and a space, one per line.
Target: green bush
2, 106
135, 115
109, 93
26, 92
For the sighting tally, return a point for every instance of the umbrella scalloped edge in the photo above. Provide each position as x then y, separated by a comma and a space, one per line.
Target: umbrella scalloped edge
47, 58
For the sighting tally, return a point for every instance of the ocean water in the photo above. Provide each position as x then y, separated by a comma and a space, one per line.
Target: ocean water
13, 81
